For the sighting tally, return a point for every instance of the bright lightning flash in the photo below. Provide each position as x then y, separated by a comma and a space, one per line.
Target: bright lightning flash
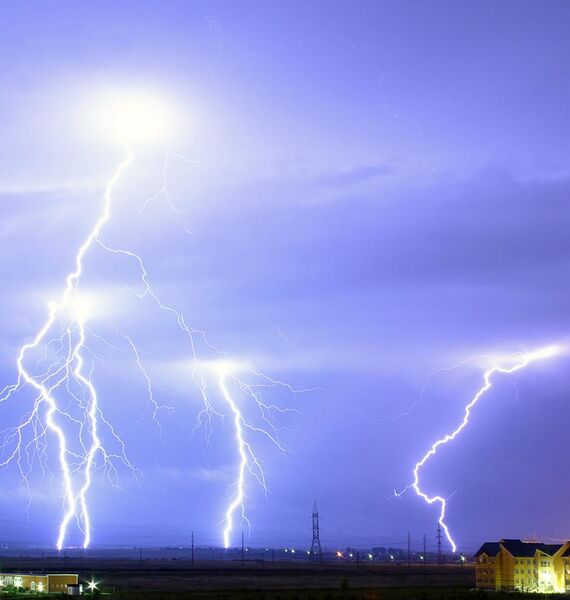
72, 309
508, 365
133, 119
228, 371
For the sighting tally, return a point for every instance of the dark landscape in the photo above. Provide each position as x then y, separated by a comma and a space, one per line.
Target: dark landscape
157, 579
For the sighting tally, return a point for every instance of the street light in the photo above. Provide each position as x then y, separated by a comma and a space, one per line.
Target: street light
92, 586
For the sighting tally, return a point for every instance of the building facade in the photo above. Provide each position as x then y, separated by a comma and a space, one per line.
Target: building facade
523, 566
53, 583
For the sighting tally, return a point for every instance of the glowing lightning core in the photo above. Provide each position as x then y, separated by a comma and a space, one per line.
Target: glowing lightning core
520, 362
66, 303
248, 461
243, 448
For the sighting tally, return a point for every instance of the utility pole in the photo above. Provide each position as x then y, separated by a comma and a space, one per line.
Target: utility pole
425, 553
192, 548
438, 538
409, 553
242, 550
140, 554
316, 550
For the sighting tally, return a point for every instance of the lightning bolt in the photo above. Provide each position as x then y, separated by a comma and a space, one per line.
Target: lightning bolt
520, 361
224, 370
68, 371
248, 461
73, 365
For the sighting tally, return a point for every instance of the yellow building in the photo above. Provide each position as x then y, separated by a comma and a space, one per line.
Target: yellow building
52, 583
523, 566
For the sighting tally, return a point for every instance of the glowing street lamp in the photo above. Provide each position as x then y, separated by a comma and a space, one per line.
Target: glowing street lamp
92, 586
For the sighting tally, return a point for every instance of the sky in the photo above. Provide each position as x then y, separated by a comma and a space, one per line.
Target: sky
354, 197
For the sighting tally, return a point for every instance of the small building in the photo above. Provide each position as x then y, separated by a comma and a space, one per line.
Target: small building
52, 583
523, 566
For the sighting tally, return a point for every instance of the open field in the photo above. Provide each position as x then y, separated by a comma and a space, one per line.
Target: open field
161, 579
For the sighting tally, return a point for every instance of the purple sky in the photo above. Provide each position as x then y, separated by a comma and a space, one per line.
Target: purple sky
381, 190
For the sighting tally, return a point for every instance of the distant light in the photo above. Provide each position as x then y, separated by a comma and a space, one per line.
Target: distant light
370, 556
292, 551
134, 116
350, 554
547, 352
286, 550
422, 557
338, 554
223, 367
308, 552
391, 557
92, 585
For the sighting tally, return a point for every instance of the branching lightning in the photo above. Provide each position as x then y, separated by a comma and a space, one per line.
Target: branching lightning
72, 369
248, 461
69, 372
508, 365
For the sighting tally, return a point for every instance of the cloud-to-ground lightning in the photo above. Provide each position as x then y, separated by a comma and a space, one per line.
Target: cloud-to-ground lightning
248, 461
67, 372
508, 365
75, 326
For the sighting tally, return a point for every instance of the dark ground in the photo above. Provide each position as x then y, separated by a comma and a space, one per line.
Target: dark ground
179, 580
168, 579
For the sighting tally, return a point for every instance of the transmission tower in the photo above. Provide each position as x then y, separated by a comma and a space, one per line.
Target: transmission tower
438, 537
316, 550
